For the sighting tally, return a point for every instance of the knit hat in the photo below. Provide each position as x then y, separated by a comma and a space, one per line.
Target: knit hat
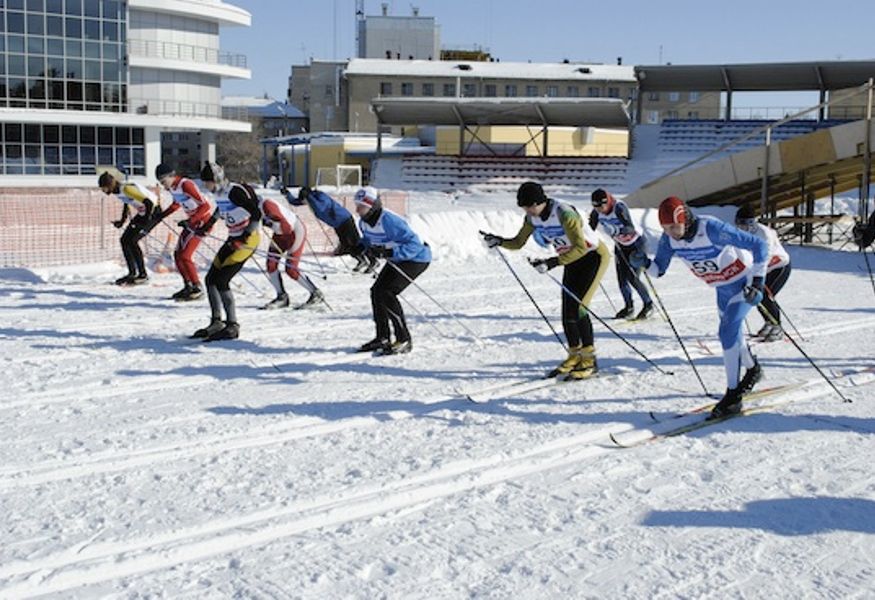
368, 196
672, 211
530, 193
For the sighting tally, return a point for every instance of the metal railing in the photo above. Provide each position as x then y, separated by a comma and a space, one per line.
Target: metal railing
176, 108
185, 52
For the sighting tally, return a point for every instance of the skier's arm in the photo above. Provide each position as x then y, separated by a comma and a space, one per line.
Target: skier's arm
573, 226
519, 240
664, 252
407, 243
731, 236
622, 212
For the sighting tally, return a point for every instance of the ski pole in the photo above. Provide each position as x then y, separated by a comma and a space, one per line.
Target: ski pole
421, 314
675, 331
574, 297
868, 266
611, 302
783, 313
632, 270
316, 257
774, 321
526, 290
430, 297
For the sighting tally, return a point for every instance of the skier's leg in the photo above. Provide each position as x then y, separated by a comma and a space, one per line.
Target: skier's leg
733, 309
624, 274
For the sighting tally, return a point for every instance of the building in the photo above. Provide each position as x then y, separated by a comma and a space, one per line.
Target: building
91, 82
319, 90
273, 118
390, 37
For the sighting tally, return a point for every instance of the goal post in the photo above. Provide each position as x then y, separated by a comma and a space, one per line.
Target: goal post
339, 176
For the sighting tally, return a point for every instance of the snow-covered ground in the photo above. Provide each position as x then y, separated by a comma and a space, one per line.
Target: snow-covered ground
139, 464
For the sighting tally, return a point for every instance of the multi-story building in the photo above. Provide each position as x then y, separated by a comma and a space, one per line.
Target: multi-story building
95, 82
408, 38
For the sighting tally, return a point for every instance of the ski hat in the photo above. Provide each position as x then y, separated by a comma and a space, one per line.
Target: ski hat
600, 197
368, 196
745, 213
108, 176
672, 210
530, 193
163, 170
213, 172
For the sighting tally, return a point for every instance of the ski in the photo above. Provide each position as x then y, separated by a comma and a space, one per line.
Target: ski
762, 400
518, 386
754, 395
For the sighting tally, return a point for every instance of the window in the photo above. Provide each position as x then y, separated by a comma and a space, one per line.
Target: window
693, 114
510, 91
449, 90
469, 90
552, 91
694, 96
613, 92
671, 114
407, 89
652, 117
573, 91
489, 90
428, 89
653, 96
594, 92
531, 91
329, 91
385, 88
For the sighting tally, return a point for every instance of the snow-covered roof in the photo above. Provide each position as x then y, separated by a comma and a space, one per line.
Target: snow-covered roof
492, 70
263, 107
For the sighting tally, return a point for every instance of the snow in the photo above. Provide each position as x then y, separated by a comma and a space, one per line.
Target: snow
137, 463
496, 70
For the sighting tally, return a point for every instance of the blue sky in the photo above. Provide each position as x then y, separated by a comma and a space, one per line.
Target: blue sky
286, 32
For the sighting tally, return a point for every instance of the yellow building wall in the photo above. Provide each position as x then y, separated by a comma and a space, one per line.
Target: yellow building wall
561, 141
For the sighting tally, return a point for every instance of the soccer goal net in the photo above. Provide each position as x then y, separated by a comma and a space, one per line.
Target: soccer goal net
339, 176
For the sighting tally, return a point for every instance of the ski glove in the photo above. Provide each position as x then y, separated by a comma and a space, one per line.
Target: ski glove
380, 251
118, 224
542, 265
490, 240
183, 223
753, 293
639, 261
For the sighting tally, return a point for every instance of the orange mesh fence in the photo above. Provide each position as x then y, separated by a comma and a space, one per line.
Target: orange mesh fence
40, 228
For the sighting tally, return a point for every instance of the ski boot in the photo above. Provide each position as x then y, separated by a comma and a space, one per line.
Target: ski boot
205, 332
586, 366
729, 405
361, 264
374, 345
372, 265
281, 301
181, 293
569, 363
751, 378
396, 347
764, 331
126, 280
645, 312
193, 293
139, 279
625, 312
315, 299
774, 333
231, 331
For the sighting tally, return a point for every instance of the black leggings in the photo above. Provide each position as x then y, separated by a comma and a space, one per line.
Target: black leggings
349, 238
775, 280
626, 276
130, 241
580, 277
384, 297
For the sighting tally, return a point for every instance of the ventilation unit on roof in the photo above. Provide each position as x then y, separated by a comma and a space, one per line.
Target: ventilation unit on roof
584, 70
463, 67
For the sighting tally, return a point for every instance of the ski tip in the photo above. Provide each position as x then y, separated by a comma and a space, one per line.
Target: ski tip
616, 441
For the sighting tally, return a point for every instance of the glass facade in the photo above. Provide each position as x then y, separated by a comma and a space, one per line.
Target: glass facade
34, 149
63, 54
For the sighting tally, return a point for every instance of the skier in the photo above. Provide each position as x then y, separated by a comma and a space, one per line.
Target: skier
238, 205
614, 218
289, 235
195, 226
777, 272
145, 203
720, 255
585, 258
331, 212
387, 235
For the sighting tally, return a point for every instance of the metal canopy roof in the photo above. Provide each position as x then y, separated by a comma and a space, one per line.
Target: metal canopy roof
760, 77
568, 112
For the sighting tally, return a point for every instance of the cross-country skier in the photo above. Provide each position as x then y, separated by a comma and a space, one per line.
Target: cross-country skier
332, 213
614, 218
387, 235
585, 258
197, 223
144, 202
733, 262
864, 234
238, 205
287, 243
777, 272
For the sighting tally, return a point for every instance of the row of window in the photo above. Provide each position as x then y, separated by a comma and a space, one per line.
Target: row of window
69, 27
674, 96
70, 149
107, 9
62, 95
490, 90
18, 44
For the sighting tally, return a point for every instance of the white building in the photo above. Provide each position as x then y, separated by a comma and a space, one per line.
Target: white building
94, 82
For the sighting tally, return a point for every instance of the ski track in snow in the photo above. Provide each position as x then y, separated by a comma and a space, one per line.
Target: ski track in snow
139, 461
